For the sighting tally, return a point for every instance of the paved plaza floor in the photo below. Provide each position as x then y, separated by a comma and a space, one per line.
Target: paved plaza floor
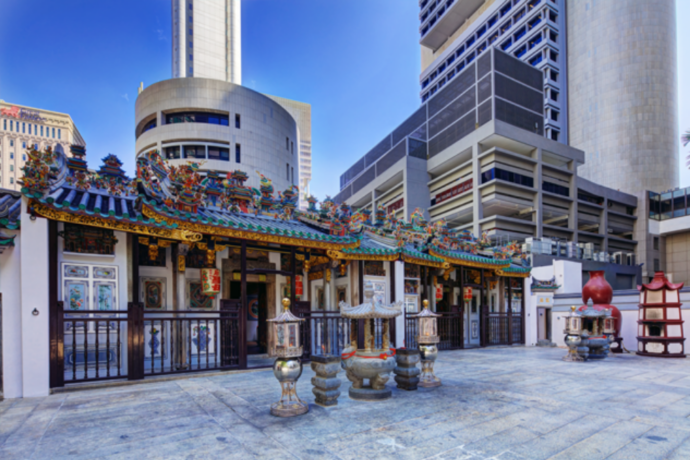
504, 403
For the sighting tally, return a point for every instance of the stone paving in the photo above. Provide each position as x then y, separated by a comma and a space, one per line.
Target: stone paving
519, 403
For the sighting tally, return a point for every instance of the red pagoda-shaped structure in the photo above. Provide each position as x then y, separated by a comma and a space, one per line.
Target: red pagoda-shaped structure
660, 324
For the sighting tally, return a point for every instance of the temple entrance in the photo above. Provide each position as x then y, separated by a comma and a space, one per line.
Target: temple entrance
543, 323
256, 324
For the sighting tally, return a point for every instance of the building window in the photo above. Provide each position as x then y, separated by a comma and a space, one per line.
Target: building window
41, 130
554, 115
11, 125
190, 32
238, 153
195, 151
554, 134
11, 143
292, 147
190, 45
88, 240
59, 134
36, 146
554, 95
150, 125
53, 133
218, 153
656, 243
24, 145
23, 157
191, 57
23, 128
190, 7
237, 120
11, 180
287, 144
172, 153
11, 168
29, 128
292, 173
287, 171
197, 117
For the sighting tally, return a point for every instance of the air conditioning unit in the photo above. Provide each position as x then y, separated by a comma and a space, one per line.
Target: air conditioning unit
571, 250
620, 258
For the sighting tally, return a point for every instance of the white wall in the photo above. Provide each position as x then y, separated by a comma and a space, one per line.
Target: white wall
11, 334
34, 288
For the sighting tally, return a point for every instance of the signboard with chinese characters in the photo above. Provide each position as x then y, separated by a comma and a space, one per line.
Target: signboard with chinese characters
395, 205
453, 191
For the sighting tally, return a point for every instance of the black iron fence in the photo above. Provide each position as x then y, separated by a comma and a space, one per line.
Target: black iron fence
133, 343
450, 327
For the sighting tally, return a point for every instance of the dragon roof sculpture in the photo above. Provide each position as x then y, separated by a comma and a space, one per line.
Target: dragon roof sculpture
183, 202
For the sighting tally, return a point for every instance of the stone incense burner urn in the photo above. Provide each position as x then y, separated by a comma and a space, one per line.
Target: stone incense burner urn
376, 360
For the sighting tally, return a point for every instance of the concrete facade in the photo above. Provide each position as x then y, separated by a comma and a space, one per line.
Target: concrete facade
454, 33
207, 39
623, 92
301, 112
22, 127
268, 137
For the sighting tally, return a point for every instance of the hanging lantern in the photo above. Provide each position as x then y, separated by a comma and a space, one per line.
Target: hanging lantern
467, 294
210, 282
439, 292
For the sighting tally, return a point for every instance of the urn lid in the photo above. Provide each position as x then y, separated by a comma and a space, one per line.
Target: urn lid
425, 313
286, 316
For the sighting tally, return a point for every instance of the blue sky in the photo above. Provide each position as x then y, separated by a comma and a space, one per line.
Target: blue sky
355, 61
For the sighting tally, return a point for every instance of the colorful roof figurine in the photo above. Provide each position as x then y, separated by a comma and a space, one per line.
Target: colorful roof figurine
185, 203
10, 209
544, 285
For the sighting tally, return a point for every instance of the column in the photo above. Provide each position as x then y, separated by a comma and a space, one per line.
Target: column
538, 197
477, 207
35, 331
572, 218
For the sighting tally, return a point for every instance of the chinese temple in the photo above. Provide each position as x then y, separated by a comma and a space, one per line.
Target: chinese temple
177, 270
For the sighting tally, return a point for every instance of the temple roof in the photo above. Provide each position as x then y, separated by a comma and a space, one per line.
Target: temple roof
10, 209
660, 282
185, 203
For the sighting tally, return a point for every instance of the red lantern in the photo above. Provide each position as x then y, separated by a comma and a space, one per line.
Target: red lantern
210, 282
439, 292
467, 294
299, 286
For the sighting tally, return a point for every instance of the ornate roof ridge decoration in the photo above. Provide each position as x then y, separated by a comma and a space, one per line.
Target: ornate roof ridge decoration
544, 285
660, 282
10, 209
182, 202
235, 228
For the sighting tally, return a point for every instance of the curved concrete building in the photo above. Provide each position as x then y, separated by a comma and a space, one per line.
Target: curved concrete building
223, 125
623, 92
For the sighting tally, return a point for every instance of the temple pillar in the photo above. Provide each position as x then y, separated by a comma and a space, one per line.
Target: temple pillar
35, 314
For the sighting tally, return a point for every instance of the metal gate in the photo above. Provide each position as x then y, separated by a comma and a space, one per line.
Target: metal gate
89, 346
450, 327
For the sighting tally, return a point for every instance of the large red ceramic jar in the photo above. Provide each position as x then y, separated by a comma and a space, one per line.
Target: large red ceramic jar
601, 293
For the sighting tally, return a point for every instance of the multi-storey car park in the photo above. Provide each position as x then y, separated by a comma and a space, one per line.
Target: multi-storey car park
456, 32
474, 155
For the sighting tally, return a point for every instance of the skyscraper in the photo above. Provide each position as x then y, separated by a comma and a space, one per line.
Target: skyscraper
623, 92
207, 39
609, 71
207, 43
